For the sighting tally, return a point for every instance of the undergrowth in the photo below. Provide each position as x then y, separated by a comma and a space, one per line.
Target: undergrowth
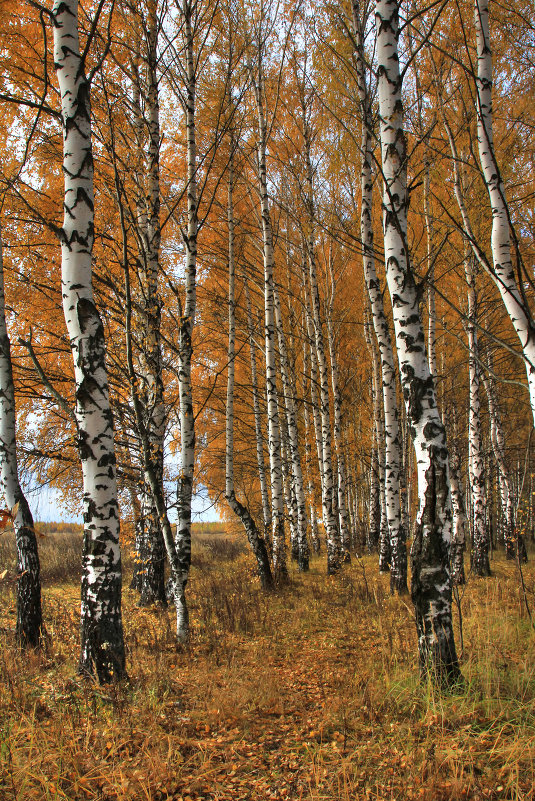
310, 692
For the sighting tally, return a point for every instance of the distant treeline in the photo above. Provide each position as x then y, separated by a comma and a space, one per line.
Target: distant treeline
57, 527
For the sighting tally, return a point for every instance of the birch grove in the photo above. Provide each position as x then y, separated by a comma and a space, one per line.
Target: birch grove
276, 224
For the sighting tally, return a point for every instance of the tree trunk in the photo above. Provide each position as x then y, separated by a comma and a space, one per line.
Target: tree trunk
397, 547
476, 471
185, 346
152, 588
102, 645
274, 437
514, 542
29, 616
343, 517
293, 442
503, 273
431, 583
257, 543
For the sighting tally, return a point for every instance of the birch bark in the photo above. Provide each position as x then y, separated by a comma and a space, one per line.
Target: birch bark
185, 333
153, 562
503, 271
476, 468
256, 542
102, 644
343, 516
514, 542
293, 442
266, 508
314, 535
274, 437
431, 583
327, 488
29, 628
398, 549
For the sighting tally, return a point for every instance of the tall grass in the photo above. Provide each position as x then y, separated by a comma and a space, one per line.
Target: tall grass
310, 692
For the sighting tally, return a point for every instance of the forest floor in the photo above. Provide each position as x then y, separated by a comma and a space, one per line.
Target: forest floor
309, 693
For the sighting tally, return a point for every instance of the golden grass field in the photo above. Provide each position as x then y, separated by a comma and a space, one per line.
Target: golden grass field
309, 693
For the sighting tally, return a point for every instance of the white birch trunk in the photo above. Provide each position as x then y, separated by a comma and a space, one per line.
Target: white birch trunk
29, 628
185, 346
476, 467
398, 549
503, 271
102, 645
431, 583
514, 542
256, 542
343, 516
373, 535
274, 437
329, 518
153, 562
314, 534
460, 523
266, 507
293, 442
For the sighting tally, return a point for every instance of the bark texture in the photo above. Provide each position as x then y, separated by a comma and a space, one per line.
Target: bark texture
431, 583
29, 615
102, 644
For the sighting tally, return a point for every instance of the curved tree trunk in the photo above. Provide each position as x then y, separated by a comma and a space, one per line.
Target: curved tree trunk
431, 583
503, 271
102, 645
29, 615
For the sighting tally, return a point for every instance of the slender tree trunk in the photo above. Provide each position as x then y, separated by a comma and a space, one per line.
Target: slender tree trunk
293, 442
153, 562
397, 545
431, 583
374, 528
266, 508
503, 274
185, 346
514, 542
476, 471
274, 437
258, 546
314, 534
345, 536
329, 518
29, 616
102, 644
460, 523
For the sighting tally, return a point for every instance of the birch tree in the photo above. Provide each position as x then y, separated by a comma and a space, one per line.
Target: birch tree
102, 644
398, 550
431, 583
29, 628
476, 471
256, 542
503, 272
274, 435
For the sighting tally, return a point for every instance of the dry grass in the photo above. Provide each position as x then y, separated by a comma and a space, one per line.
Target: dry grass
309, 693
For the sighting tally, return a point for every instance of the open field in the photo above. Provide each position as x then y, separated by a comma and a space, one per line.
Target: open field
308, 693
